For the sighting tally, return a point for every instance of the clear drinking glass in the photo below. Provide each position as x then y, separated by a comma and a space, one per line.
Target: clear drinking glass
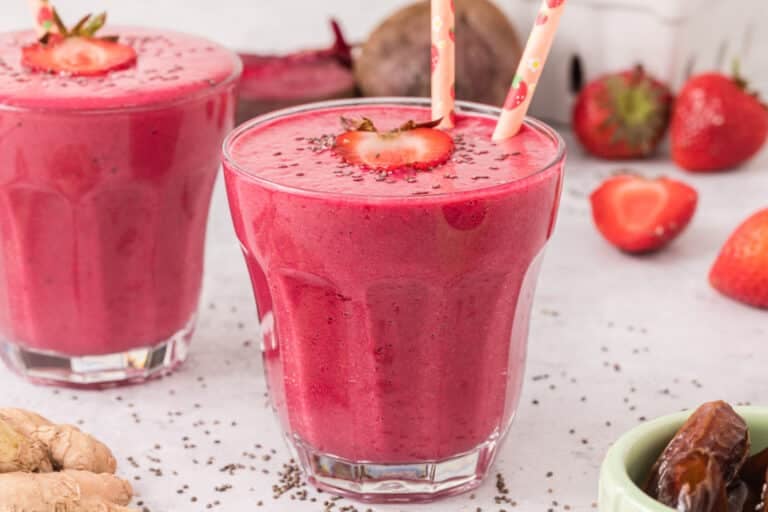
103, 214
394, 328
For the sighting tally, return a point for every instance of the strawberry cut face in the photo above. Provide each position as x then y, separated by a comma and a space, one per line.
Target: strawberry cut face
78, 56
419, 148
641, 215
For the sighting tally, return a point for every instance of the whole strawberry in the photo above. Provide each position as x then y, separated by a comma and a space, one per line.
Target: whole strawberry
741, 269
622, 115
717, 124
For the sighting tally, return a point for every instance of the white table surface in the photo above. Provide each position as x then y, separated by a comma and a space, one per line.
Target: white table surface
614, 339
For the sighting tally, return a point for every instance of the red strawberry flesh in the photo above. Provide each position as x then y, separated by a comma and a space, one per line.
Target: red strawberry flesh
641, 215
418, 148
78, 56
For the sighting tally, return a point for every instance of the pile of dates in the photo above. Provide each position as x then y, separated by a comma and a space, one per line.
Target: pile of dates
706, 467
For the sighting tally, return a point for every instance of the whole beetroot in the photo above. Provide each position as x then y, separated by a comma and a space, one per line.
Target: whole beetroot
395, 60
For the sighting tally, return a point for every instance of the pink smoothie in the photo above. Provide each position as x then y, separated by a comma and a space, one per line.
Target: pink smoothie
395, 310
104, 191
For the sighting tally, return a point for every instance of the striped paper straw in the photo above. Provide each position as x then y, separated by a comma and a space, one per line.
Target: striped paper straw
529, 70
443, 62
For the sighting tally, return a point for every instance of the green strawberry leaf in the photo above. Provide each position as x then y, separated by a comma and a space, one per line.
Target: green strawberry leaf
77, 29
62, 28
96, 23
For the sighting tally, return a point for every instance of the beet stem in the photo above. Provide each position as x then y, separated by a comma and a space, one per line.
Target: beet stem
341, 49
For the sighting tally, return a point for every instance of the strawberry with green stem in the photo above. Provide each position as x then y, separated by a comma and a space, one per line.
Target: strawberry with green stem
718, 123
78, 51
622, 115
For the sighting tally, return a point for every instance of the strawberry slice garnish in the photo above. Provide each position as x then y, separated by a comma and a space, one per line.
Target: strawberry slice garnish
77, 51
79, 56
414, 146
641, 215
741, 269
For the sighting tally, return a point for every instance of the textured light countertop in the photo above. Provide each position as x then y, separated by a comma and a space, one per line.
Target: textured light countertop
614, 340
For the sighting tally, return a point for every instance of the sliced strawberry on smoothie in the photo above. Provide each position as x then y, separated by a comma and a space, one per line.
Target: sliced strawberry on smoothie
414, 146
79, 56
78, 51
640, 215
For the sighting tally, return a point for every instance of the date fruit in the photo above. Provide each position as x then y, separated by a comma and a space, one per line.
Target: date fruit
754, 470
740, 496
702, 459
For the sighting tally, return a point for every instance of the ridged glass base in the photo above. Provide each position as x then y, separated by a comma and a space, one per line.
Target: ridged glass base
123, 368
396, 483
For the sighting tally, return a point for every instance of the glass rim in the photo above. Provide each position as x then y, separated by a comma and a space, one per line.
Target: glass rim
466, 107
231, 79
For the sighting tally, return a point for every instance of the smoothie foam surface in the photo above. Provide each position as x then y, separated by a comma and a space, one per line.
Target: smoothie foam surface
293, 151
170, 66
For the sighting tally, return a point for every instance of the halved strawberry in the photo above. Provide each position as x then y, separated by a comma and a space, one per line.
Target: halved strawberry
77, 51
78, 56
741, 269
415, 146
641, 215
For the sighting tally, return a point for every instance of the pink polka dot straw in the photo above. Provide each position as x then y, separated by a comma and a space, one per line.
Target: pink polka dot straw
443, 61
529, 70
44, 16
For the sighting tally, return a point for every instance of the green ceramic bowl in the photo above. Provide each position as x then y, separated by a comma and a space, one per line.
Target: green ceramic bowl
628, 461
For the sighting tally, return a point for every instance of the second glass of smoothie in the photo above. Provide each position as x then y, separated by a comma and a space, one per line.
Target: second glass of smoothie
105, 183
394, 307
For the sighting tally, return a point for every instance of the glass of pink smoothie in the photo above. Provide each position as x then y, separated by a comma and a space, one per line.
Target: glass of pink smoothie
394, 309
105, 183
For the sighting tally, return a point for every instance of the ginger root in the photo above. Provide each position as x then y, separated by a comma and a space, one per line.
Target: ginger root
64, 491
46, 467
68, 446
20, 453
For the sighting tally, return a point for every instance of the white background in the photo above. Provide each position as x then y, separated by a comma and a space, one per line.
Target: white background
242, 24
646, 32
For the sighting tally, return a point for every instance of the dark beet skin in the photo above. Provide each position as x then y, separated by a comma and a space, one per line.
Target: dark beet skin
395, 59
